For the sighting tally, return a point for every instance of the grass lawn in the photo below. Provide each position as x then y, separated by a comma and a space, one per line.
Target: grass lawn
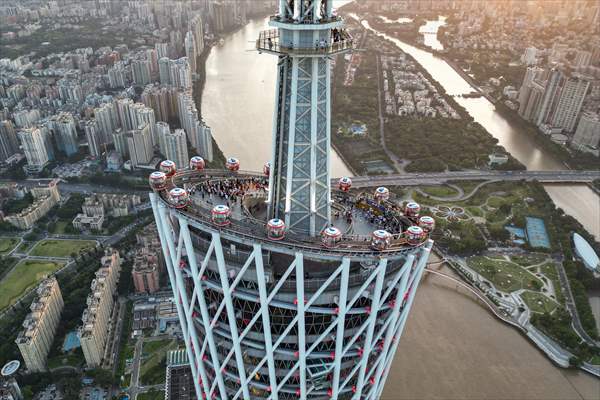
59, 227
595, 360
61, 248
22, 277
475, 211
439, 191
7, 244
506, 276
550, 272
151, 347
152, 395
152, 370
466, 186
538, 303
529, 259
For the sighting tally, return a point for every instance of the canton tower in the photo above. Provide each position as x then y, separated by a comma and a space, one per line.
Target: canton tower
285, 287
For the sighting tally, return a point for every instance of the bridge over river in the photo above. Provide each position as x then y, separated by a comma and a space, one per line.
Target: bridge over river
436, 178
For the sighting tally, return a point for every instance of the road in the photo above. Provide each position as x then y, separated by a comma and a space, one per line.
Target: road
409, 179
570, 303
436, 178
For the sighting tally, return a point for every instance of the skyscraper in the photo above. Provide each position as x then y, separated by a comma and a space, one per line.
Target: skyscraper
139, 144
34, 145
569, 103
279, 303
143, 115
9, 143
190, 50
550, 96
108, 120
92, 135
35, 340
203, 139
587, 135
175, 144
93, 332
65, 134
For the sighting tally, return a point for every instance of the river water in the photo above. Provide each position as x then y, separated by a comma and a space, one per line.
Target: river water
452, 348
576, 200
239, 99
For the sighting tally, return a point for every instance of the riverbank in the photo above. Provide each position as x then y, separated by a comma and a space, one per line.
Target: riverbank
452, 348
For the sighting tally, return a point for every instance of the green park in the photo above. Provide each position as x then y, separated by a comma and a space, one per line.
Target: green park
61, 248
23, 277
154, 355
7, 244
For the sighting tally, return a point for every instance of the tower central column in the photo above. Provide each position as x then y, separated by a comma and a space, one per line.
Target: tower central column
305, 37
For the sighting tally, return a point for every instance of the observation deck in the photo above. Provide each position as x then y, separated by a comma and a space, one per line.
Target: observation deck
356, 216
270, 41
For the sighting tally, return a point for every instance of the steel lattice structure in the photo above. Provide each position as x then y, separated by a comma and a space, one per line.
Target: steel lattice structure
274, 301
255, 331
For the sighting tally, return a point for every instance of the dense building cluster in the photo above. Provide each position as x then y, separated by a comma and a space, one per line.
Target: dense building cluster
408, 92
124, 102
556, 44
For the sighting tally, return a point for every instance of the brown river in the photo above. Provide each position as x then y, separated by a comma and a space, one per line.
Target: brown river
452, 347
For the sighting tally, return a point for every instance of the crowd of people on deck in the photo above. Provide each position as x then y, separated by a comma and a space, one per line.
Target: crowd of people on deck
231, 190
384, 216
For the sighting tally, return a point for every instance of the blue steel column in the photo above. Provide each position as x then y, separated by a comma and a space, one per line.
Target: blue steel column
381, 268
264, 310
339, 336
230, 314
301, 325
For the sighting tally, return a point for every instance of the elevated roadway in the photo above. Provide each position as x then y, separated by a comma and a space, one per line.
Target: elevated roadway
436, 178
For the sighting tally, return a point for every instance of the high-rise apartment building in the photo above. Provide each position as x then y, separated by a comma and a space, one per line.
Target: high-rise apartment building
35, 340
139, 144
26, 118
162, 50
164, 73
9, 144
180, 74
283, 304
203, 139
162, 99
587, 135
118, 75
121, 144
529, 57
93, 333
144, 115
175, 147
33, 142
582, 59
197, 28
65, 134
108, 120
141, 72
569, 103
190, 50
92, 135
124, 115
550, 96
